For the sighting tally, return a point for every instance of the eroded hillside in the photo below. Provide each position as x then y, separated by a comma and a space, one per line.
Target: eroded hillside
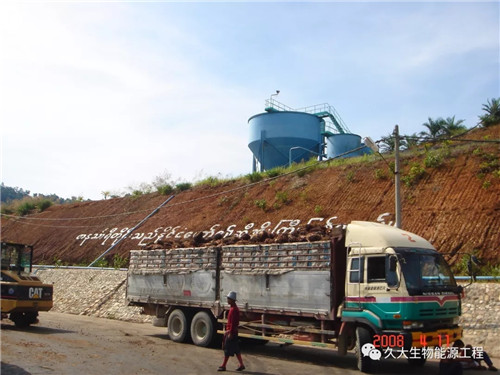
451, 197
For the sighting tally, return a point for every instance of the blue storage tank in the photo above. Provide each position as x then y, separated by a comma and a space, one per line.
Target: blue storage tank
275, 136
337, 144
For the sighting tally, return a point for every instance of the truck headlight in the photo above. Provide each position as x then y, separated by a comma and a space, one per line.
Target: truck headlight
408, 324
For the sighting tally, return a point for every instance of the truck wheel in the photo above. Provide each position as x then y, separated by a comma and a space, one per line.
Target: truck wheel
202, 329
23, 320
178, 328
418, 359
363, 336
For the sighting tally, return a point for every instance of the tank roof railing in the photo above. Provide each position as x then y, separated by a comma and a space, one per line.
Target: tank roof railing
333, 120
273, 104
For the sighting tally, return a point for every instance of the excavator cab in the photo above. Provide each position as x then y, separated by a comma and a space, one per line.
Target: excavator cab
23, 294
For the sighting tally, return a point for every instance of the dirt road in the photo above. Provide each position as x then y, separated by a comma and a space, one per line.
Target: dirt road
82, 345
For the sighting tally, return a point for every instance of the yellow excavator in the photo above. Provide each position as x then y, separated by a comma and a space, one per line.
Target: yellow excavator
23, 294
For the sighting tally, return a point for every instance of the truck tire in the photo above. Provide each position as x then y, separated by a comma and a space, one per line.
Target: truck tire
178, 327
202, 329
24, 319
363, 336
417, 360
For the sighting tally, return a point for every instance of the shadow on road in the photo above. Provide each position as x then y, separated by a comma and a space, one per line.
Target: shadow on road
8, 369
162, 336
35, 329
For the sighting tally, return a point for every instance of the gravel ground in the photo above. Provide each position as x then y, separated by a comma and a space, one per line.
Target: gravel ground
83, 345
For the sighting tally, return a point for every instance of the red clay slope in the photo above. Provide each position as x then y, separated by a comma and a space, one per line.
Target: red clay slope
457, 211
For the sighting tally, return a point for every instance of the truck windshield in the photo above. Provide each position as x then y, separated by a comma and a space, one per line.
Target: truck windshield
16, 258
425, 271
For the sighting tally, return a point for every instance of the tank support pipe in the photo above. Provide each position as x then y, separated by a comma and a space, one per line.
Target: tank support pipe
133, 229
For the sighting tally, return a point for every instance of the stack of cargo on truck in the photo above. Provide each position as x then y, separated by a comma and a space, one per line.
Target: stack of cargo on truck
369, 283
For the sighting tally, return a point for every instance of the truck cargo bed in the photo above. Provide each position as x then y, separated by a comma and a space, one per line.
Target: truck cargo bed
290, 277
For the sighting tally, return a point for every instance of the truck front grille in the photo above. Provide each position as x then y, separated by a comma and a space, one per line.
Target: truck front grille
428, 313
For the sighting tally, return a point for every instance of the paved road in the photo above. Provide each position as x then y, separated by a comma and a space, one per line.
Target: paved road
82, 345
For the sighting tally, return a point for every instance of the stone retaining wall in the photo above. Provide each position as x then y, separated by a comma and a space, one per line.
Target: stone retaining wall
93, 292
101, 293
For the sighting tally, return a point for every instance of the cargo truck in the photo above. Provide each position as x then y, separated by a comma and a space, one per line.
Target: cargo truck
23, 294
369, 283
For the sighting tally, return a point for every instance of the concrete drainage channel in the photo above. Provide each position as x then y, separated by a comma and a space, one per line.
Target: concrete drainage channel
101, 292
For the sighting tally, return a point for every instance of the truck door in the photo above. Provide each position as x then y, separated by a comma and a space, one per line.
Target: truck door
381, 282
354, 281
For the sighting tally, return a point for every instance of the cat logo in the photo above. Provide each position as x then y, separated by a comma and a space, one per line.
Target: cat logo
35, 293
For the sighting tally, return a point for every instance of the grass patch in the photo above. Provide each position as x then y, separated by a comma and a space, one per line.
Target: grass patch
275, 172
211, 181
165, 189
254, 177
183, 186
261, 203
26, 206
433, 160
380, 174
415, 174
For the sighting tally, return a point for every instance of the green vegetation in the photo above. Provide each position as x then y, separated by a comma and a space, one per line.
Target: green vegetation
261, 203
165, 189
211, 181
275, 172
183, 186
433, 160
8, 194
254, 177
489, 167
101, 263
282, 197
380, 174
464, 267
416, 173
25, 208
492, 115
43, 204
350, 176
119, 261
435, 129
301, 169
18, 201
442, 128
26, 205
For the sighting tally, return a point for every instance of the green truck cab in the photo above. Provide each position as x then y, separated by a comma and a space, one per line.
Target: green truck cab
400, 293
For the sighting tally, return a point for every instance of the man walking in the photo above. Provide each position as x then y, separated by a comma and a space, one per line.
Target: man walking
230, 340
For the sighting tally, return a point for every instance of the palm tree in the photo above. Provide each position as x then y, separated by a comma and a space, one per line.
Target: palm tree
492, 116
387, 143
411, 140
452, 127
436, 128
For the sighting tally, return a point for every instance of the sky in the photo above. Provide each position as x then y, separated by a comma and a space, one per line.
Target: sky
103, 96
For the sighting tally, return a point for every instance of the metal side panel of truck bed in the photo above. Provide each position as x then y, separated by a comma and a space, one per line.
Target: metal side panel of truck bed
183, 276
173, 287
300, 291
293, 277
